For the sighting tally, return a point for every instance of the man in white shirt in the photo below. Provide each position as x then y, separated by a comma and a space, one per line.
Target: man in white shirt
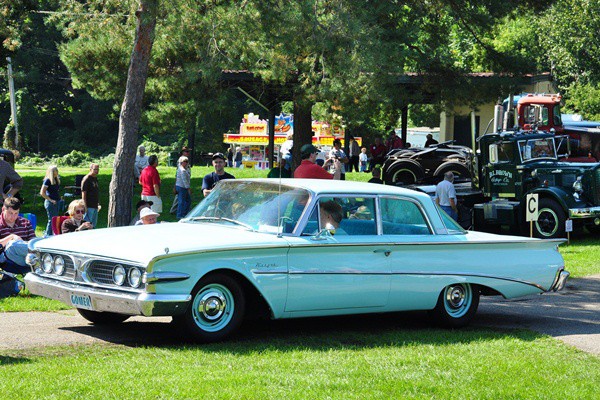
445, 195
141, 162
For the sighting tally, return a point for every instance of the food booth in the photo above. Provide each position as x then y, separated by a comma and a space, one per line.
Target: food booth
253, 138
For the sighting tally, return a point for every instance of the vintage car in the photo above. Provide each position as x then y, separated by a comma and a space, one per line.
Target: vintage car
291, 248
428, 165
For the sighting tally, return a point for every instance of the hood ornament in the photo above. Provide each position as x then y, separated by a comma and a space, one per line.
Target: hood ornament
166, 250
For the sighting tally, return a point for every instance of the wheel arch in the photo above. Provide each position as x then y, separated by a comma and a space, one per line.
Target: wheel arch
257, 305
552, 193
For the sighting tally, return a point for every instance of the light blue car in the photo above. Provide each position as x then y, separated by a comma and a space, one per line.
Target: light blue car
287, 249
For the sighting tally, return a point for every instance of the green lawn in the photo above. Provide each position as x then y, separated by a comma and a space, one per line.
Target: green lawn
388, 363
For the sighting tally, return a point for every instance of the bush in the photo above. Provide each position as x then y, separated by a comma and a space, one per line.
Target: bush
75, 159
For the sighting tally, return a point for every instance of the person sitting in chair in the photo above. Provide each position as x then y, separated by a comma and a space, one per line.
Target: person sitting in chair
76, 223
15, 232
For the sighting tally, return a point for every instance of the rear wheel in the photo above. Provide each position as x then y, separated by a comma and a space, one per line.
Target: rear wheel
456, 305
102, 318
460, 171
551, 220
216, 311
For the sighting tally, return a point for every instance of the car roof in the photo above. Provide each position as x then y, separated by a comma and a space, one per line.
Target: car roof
341, 187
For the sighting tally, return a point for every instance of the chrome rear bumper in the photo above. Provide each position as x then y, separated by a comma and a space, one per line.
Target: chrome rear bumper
560, 280
105, 300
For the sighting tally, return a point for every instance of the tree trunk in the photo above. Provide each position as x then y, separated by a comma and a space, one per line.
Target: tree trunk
121, 184
302, 127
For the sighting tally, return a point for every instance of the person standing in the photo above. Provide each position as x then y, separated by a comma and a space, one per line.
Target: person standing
50, 191
90, 194
230, 156
8, 173
141, 162
354, 154
363, 158
309, 169
185, 152
150, 181
183, 187
378, 151
238, 157
338, 154
445, 195
430, 140
210, 180
394, 142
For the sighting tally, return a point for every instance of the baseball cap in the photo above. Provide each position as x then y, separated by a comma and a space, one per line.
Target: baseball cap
218, 155
146, 212
185, 148
308, 149
143, 203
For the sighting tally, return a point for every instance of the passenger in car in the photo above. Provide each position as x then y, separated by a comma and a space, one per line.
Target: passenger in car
331, 215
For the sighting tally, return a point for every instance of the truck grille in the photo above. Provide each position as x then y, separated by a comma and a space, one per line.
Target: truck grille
596, 186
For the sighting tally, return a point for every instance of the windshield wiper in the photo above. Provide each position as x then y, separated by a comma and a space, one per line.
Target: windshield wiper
212, 219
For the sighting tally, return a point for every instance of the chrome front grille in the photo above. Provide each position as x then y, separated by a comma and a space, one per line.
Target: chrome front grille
69, 268
101, 271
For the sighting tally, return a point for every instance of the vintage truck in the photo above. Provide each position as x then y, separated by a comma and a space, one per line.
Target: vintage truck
515, 164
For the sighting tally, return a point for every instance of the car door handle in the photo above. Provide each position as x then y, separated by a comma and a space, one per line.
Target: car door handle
384, 251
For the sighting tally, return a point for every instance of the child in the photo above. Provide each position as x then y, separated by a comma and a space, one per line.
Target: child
362, 158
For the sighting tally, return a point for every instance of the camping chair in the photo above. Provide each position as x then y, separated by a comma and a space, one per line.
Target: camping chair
74, 190
57, 223
31, 217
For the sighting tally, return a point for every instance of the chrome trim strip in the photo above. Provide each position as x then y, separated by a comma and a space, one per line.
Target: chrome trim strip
156, 277
411, 273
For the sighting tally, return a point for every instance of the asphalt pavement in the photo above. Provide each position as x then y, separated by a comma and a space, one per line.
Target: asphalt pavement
572, 315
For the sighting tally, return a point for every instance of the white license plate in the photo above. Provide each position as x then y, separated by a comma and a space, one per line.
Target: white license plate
81, 301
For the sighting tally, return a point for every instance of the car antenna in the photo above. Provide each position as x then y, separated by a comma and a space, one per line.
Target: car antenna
279, 221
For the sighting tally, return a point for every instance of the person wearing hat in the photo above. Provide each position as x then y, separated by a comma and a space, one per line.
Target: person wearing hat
184, 153
210, 180
148, 217
138, 207
309, 169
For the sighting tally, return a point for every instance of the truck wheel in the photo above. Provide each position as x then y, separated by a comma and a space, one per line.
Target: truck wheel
456, 305
404, 172
551, 220
102, 318
216, 311
460, 171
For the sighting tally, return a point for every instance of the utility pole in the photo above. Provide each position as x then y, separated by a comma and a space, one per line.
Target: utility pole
13, 103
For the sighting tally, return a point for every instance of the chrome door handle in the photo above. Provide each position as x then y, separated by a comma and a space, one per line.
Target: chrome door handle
384, 251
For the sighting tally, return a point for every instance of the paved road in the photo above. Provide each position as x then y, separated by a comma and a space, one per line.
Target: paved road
572, 316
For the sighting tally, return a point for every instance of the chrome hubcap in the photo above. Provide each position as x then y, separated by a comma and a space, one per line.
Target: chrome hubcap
547, 223
455, 296
212, 305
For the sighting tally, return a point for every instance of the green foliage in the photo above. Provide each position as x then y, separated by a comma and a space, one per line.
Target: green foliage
584, 99
75, 158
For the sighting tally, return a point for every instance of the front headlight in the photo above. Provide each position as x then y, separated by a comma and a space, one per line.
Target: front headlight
135, 277
47, 263
119, 275
577, 185
59, 265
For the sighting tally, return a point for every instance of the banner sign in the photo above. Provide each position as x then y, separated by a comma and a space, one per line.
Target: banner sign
264, 140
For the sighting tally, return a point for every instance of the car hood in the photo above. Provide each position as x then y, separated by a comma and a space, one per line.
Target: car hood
142, 243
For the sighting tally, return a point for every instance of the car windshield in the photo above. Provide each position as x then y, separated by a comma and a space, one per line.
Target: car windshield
537, 149
257, 206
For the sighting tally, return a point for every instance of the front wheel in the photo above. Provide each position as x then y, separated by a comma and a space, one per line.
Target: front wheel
551, 220
456, 305
216, 311
102, 318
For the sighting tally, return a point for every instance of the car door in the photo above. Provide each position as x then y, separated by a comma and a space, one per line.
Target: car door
415, 253
349, 270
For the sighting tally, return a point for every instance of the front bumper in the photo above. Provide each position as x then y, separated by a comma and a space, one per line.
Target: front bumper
587, 212
104, 300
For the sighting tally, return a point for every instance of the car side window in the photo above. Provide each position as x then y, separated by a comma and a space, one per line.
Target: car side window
348, 215
402, 217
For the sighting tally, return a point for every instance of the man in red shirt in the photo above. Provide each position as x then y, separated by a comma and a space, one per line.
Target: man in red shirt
394, 142
378, 151
150, 181
309, 169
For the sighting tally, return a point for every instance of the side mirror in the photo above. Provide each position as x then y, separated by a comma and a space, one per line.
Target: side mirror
327, 232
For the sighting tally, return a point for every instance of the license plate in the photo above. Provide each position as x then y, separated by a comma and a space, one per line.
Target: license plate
81, 301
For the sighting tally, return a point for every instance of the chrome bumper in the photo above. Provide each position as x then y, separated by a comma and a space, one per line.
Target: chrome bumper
146, 304
588, 212
560, 281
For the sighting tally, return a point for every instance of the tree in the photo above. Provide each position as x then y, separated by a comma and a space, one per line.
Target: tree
121, 184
